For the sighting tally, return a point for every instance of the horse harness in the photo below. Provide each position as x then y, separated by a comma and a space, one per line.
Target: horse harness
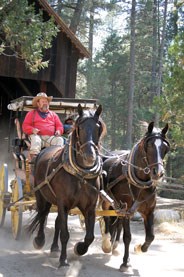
127, 161
69, 164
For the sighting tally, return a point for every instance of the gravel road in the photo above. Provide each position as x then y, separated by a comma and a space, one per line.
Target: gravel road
165, 256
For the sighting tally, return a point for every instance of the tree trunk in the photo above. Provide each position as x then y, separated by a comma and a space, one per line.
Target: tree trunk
161, 54
59, 7
90, 47
91, 29
113, 117
132, 78
154, 52
76, 16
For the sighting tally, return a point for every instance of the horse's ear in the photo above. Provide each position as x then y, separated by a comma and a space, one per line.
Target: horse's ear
98, 111
80, 110
150, 127
165, 129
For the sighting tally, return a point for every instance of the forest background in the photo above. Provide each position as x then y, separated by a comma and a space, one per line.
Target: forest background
136, 69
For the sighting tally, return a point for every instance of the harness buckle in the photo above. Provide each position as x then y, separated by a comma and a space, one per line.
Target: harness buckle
146, 170
123, 162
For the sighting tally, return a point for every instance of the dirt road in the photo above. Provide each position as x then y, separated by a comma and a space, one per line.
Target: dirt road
165, 256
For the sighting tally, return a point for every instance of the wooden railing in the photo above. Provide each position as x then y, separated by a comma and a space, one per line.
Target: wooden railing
173, 185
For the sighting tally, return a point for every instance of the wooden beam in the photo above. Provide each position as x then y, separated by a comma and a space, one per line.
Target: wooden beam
25, 89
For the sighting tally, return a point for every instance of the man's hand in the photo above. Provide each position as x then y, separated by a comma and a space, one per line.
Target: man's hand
57, 133
35, 131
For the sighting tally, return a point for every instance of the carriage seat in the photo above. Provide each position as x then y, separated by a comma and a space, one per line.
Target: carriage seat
20, 151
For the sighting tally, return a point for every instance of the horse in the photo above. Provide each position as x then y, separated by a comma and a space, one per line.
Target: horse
69, 177
130, 181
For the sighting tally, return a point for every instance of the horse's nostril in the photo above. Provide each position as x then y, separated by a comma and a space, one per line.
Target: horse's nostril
154, 171
162, 174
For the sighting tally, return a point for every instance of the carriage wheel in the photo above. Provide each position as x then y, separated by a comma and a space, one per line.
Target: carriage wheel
16, 211
3, 192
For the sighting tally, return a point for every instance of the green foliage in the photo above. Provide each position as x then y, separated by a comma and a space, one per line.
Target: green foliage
171, 101
24, 34
106, 75
107, 78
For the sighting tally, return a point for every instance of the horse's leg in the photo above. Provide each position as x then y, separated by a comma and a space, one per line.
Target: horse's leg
111, 236
43, 208
115, 237
82, 247
62, 227
106, 236
149, 230
126, 239
55, 246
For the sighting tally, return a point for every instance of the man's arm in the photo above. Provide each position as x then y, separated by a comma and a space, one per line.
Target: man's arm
27, 125
58, 125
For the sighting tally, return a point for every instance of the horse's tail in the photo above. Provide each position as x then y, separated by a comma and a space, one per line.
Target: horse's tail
35, 222
40, 217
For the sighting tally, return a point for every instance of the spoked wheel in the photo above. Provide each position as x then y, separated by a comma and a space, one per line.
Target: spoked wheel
3, 192
16, 210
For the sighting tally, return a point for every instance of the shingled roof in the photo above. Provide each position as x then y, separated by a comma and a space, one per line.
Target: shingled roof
62, 25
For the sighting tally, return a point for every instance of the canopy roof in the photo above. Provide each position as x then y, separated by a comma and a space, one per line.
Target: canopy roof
59, 105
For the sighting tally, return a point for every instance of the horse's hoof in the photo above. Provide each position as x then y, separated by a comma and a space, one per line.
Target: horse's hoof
137, 249
124, 268
38, 244
80, 249
63, 264
106, 243
106, 248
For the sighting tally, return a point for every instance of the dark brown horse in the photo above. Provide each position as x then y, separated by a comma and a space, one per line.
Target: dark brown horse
70, 178
131, 182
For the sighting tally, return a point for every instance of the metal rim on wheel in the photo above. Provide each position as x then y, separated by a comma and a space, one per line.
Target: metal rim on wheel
16, 209
3, 192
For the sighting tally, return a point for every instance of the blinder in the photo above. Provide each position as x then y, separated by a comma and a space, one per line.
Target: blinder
81, 121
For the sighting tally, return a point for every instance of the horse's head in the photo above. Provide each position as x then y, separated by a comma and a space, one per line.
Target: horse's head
155, 146
89, 129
